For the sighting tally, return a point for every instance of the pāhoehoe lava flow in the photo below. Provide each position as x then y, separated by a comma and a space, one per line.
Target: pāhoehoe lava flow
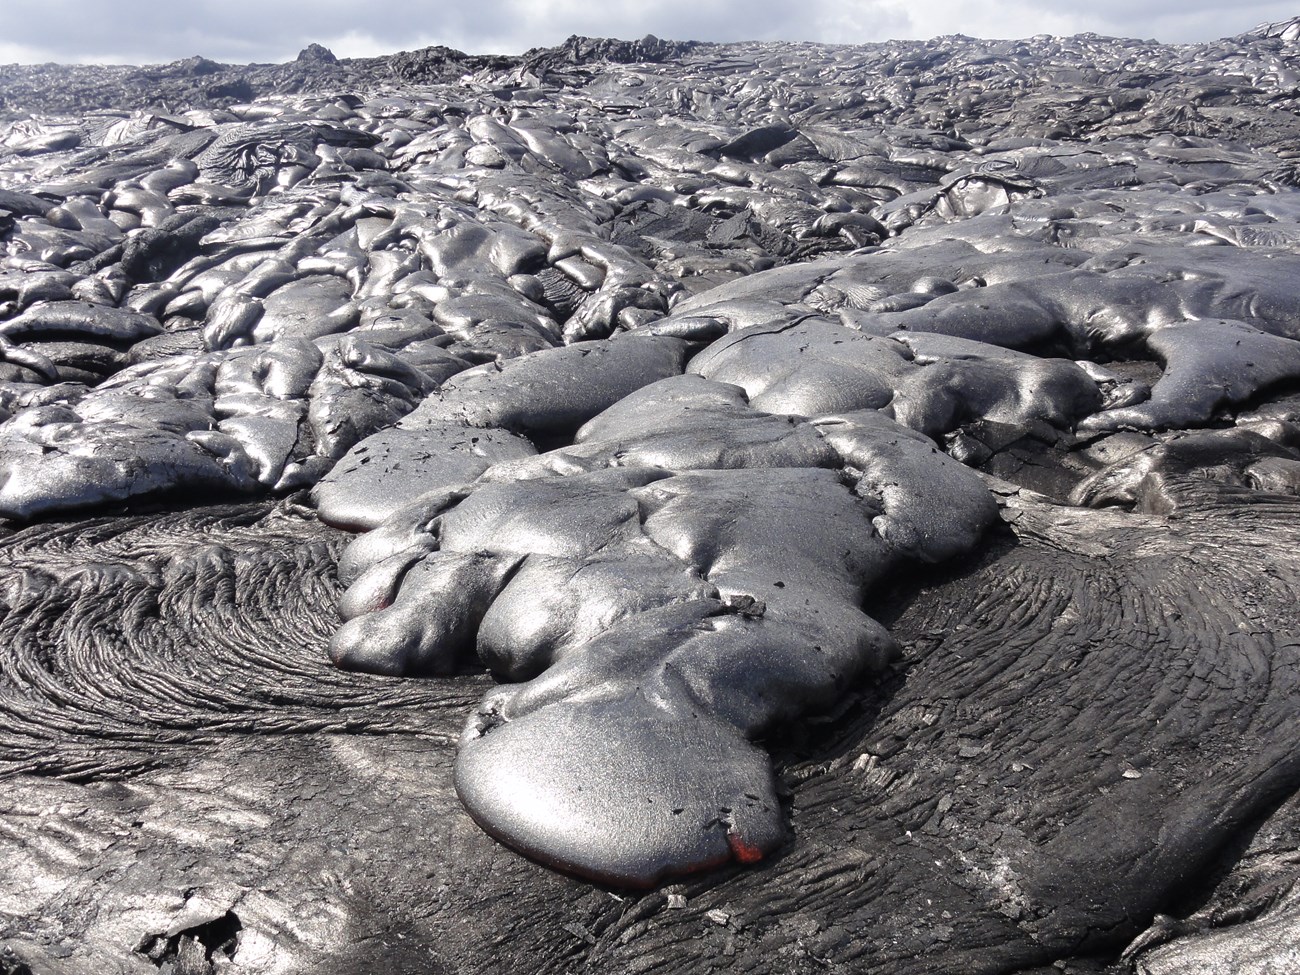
943, 396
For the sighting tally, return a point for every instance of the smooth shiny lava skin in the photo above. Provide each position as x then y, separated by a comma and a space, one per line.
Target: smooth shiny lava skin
641, 412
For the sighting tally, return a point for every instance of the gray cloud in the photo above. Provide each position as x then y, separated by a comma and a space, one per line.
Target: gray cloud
135, 31
1185, 20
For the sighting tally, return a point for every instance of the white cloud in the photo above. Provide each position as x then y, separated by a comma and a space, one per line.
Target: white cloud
1006, 19
139, 31
11, 53
356, 44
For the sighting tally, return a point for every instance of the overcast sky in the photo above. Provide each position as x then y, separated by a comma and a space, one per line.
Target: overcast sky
148, 32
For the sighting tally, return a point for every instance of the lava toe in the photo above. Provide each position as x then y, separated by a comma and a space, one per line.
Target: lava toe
622, 790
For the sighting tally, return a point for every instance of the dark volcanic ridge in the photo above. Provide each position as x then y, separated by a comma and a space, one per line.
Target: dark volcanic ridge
839, 502
1223, 72
198, 82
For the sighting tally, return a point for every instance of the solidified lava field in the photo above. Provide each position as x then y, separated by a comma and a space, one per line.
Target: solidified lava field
654, 507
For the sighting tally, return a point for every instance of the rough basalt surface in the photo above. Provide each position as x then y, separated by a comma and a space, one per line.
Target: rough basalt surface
829, 508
